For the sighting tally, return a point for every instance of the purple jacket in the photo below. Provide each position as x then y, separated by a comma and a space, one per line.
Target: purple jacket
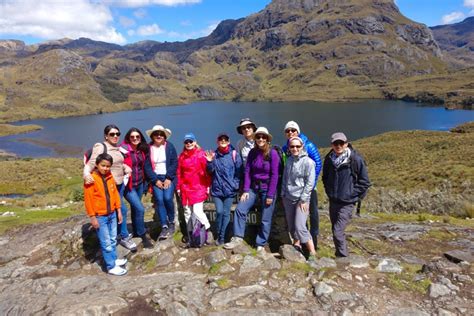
261, 174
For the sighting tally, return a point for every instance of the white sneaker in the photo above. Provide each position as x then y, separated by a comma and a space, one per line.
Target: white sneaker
117, 271
234, 242
121, 262
260, 249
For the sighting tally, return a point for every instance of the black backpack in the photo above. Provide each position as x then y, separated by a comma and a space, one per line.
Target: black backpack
88, 154
355, 174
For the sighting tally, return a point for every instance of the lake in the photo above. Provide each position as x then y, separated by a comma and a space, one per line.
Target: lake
70, 137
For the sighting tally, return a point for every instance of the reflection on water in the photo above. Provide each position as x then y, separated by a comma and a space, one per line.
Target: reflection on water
73, 135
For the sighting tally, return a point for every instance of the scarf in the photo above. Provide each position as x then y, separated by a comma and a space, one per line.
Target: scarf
224, 150
343, 158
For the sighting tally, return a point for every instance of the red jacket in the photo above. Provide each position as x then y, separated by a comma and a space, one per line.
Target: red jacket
193, 179
95, 195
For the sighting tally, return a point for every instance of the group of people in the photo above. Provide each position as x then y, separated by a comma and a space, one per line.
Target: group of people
255, 171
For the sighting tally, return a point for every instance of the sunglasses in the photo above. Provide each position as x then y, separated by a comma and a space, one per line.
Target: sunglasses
223, 138
188, 141
135, 137
247, 127
114, 134
291, 130
261, 137
159, 135
338, 143
295, 146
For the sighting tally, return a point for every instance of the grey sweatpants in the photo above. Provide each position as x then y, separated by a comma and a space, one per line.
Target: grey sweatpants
340, 215
296, 220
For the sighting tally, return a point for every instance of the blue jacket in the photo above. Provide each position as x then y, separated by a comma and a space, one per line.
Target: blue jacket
340, 184
312, 151
226, 173
171, 165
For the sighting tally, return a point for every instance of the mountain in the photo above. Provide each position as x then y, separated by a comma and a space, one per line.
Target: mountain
457, 40
290, 50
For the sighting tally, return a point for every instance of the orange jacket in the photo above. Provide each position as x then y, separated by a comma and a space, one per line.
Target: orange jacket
95, 195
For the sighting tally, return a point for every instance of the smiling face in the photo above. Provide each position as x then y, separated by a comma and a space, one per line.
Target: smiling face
295, 147
189, 144
261, 140
113, 137
223, 141
104, 167
247, 131
291, 132
159, 138
135, 139
339, 146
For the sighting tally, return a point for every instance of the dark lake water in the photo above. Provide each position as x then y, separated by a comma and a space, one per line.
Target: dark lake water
69, 137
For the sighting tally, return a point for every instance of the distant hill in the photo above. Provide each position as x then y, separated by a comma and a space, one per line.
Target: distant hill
457, 40
291, 50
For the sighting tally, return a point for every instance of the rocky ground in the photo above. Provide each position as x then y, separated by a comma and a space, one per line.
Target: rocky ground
421, 267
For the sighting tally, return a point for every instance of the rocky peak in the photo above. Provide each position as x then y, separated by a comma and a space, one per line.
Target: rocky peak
12, 45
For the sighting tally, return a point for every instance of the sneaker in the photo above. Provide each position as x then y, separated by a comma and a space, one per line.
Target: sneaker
146, 241
234, 242
219, 242
312, 258
172, 228
260, 249
121, 262
117, 271
165, 233
298, 248
128, 243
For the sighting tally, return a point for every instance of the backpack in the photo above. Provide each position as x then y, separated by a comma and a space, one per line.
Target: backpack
281, 167
88, 154
197, 233
355, 174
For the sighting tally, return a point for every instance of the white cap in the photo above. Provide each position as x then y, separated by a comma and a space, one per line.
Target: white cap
292, 124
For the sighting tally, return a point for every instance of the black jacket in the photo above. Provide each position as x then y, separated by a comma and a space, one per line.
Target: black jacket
340, 184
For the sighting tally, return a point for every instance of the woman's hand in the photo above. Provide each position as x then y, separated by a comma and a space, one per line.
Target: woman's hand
159, 184
244, 197
166, 184
119, 216
268, 201
304, 207
209, 155
95, 222
89, 179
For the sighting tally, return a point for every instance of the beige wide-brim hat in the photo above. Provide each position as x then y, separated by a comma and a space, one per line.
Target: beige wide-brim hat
244, 122
159, 128
264, 130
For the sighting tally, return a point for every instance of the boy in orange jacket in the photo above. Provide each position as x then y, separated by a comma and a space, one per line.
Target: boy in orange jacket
102, 201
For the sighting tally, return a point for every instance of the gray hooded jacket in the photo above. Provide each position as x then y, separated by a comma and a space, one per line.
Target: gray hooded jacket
298, 178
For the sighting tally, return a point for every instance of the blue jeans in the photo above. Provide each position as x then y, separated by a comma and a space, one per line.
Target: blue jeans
164, 205
122, 228
223, 206
134, 198
242, 210
107, 234
314, 216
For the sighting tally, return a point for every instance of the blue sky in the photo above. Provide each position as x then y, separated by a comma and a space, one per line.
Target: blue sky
129, 21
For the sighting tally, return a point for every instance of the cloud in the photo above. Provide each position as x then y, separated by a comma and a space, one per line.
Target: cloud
148, 30
143, 3
126, 22
140, 13
211, 27
453, 17
59, 19
469, 4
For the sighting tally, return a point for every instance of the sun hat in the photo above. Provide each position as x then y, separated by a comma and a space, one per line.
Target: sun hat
189, 136
243, 122
292, 124
264, 130
159, 128
338, 136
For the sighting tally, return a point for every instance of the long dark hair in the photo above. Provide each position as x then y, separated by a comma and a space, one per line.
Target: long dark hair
266, 150
109, 127
142, 146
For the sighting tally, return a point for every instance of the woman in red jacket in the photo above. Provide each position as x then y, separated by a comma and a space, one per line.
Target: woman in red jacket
193, 180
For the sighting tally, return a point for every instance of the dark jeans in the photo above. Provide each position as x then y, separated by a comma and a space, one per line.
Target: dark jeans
134, 198
340, 215
223, 206
314, 216
164, 205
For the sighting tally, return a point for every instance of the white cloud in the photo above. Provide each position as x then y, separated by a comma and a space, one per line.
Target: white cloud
469, 4
148, 30
211, 27
453, 17
126, 22
142, 3
59, 19
140, 13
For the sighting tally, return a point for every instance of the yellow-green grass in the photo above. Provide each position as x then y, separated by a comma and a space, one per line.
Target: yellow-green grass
25, 217
422, 217
405, 280
8, 129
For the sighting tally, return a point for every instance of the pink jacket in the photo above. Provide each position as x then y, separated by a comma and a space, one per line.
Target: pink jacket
193, 179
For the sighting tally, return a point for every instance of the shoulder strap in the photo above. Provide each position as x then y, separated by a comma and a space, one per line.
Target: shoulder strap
234, 155
105, 148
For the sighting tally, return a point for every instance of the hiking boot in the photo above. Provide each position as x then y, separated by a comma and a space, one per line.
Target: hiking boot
234, 242
165, 233
117, 271
128, 243
172, 228
120, 262
146, 241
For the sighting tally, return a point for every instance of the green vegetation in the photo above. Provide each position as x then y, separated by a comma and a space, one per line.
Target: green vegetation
216, 267
223, 283
8, 129
405, 281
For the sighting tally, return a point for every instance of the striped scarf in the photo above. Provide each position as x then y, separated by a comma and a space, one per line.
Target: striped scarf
343, 158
